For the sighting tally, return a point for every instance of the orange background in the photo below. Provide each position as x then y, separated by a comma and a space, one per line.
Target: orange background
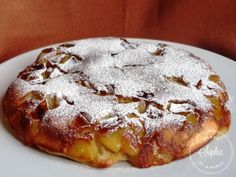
29, 24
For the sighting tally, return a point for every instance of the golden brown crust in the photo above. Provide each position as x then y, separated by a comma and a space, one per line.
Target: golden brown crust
143, 142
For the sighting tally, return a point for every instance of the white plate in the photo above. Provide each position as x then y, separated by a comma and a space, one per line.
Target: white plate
22, 161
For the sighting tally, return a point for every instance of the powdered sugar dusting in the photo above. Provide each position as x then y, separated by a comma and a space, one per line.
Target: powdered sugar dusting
90, 75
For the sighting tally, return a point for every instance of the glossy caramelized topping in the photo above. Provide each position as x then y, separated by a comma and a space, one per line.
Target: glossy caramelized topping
112, 84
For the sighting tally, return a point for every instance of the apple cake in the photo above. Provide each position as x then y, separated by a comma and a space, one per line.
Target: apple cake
102, 100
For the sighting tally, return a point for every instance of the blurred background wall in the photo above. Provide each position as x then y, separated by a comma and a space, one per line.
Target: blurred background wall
29, 24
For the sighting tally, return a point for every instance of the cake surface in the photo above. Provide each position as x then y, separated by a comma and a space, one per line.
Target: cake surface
102, 100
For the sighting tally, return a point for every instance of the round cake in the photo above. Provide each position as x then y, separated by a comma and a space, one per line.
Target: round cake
103, 100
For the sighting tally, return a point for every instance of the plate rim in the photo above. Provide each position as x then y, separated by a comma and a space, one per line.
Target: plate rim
33, 53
